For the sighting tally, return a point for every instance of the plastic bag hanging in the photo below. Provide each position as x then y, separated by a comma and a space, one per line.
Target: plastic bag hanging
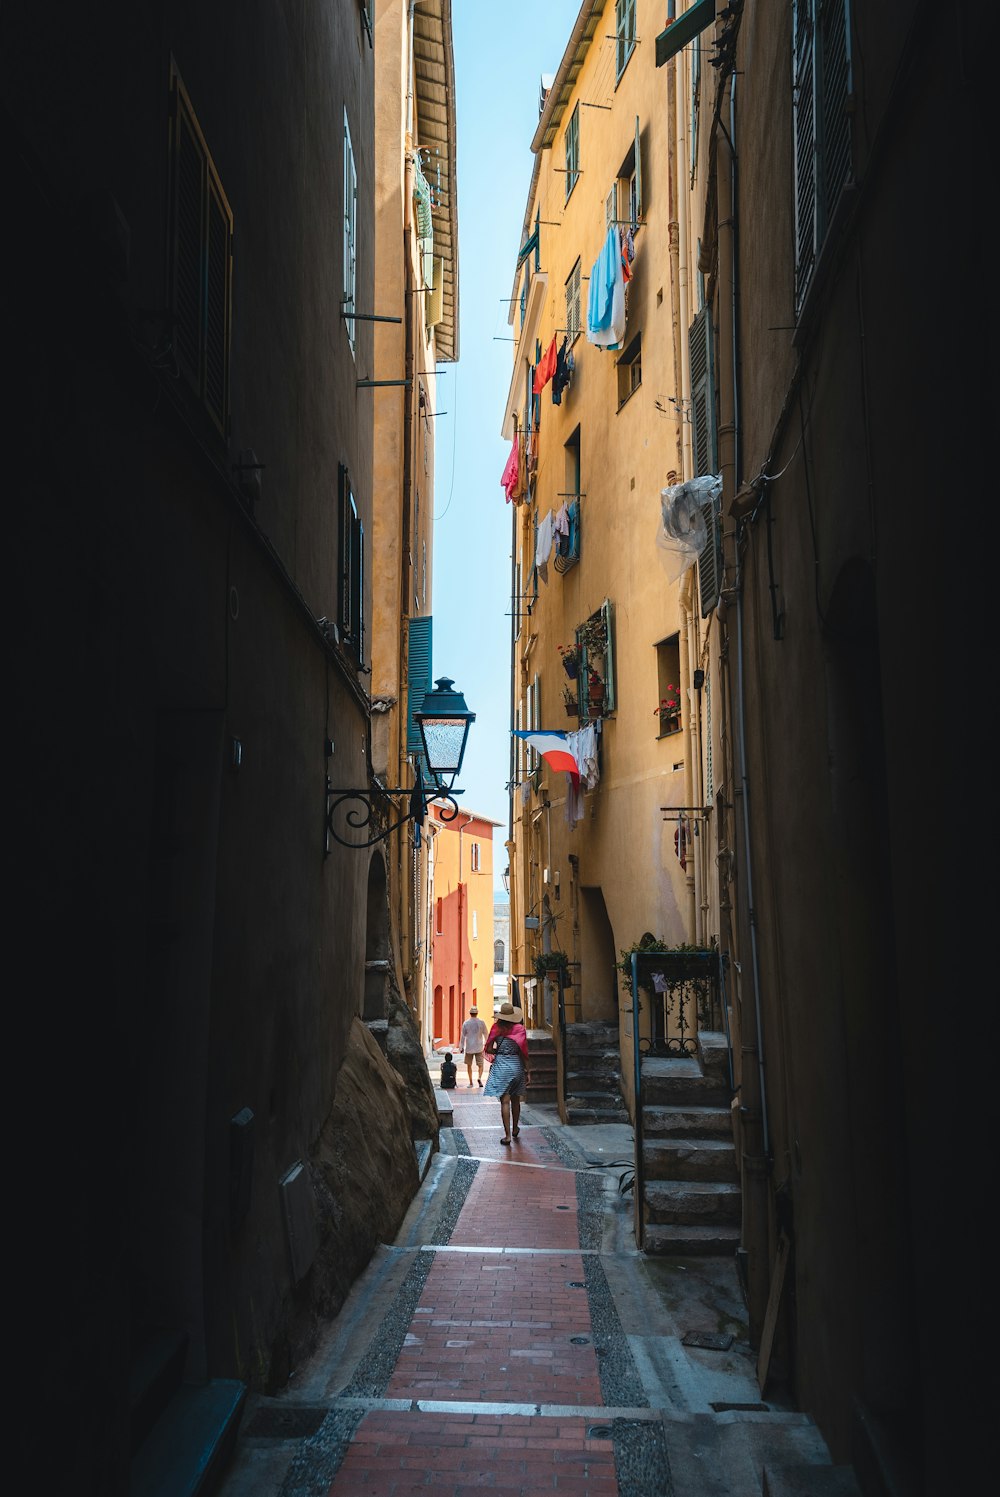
682, 533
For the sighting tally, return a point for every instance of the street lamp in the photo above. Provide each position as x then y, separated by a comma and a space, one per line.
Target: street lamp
444, 721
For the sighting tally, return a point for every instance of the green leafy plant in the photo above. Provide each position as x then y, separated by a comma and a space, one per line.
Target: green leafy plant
551, 961
646, 945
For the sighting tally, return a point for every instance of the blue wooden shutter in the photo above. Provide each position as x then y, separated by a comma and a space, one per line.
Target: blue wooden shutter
418, 675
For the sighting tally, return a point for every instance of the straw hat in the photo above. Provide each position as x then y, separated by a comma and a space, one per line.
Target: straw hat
508, 1014
473, 1009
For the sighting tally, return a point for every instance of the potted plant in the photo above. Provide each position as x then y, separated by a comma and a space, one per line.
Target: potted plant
593, 634
553, 965
570, 702
571, 660
595, 690
669, 710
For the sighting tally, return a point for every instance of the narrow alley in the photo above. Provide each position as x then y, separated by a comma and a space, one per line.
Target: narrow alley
513, 1339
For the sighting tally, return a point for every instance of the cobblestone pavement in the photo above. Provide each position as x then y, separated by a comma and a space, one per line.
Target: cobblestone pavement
512, 1339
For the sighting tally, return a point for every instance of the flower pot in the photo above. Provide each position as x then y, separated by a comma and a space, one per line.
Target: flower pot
571, 667
572, 709
670, 722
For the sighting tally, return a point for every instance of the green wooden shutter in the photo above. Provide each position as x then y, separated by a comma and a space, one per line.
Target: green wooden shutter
700, 348
638, 173
609, 657
835, 85
418, 676
710, 560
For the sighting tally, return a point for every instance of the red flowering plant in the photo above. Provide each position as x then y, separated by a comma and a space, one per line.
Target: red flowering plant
670, 705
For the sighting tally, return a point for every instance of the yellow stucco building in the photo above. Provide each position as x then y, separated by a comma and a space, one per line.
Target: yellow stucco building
593, 873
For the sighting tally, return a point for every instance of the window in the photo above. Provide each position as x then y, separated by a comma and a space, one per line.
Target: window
630, 370
624, 204
474, 857
572, 150
352, 572
624, 34
596, 679
201, 261
573, 303
475, 925
439, 917
350, 232
667, 712
821, 99
499, 956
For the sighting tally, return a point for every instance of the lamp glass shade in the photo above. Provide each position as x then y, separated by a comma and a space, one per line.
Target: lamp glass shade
444, 721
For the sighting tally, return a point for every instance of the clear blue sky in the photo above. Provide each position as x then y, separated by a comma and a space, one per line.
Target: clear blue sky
500, 57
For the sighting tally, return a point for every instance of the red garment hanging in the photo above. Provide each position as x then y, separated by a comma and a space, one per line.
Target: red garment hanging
546, 369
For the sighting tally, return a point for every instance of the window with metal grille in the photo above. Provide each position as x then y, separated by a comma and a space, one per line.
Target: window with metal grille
350, 233
624, 34
200, 261
352, 572
573, 303
475, 856
821, 110
573, 150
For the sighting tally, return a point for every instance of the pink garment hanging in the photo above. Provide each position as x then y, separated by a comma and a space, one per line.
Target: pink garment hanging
508, 481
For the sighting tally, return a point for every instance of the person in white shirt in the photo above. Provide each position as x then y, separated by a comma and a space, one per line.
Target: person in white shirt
472, 1042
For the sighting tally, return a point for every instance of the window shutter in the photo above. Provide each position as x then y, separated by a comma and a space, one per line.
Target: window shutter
638, 173
710, 560
358, 587
435, 295
350, 228
189, 200
609, 657
703, 393
345, 506
836, 88
218, 282
804, 125
418, 675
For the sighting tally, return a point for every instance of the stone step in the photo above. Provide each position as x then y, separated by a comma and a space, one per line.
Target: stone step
689, 1159
186, 1452
687, 1122
593, 1081
692, 1203
690, 1242
680, 1083
593, 1063
588, 1114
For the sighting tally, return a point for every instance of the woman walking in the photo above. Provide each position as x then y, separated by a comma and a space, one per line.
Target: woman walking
507, 1043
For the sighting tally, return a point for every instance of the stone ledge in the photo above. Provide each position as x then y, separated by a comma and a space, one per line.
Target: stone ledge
445, 1109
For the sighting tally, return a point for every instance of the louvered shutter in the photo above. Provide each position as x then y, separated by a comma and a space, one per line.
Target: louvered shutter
834, 21
190, 170
805, 144
700, 350
358, 587
217, 305
345, 505
201, 258
710, 560
418, 672
638, 173
607, 612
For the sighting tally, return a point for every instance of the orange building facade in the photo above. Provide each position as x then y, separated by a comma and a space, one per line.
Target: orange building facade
460, 924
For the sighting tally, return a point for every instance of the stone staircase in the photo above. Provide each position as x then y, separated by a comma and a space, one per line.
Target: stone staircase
182, 1433
593, 1074
691, 1193
542, 1067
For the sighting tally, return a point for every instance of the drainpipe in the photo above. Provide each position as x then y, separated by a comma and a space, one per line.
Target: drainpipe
673, 230
690, 766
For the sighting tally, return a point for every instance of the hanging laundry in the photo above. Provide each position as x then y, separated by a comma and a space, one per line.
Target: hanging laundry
587, 756
508, 480
560, 530
545, 369
564, 372
553, 747
628, 252
543, 545
681, 842
606, 295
